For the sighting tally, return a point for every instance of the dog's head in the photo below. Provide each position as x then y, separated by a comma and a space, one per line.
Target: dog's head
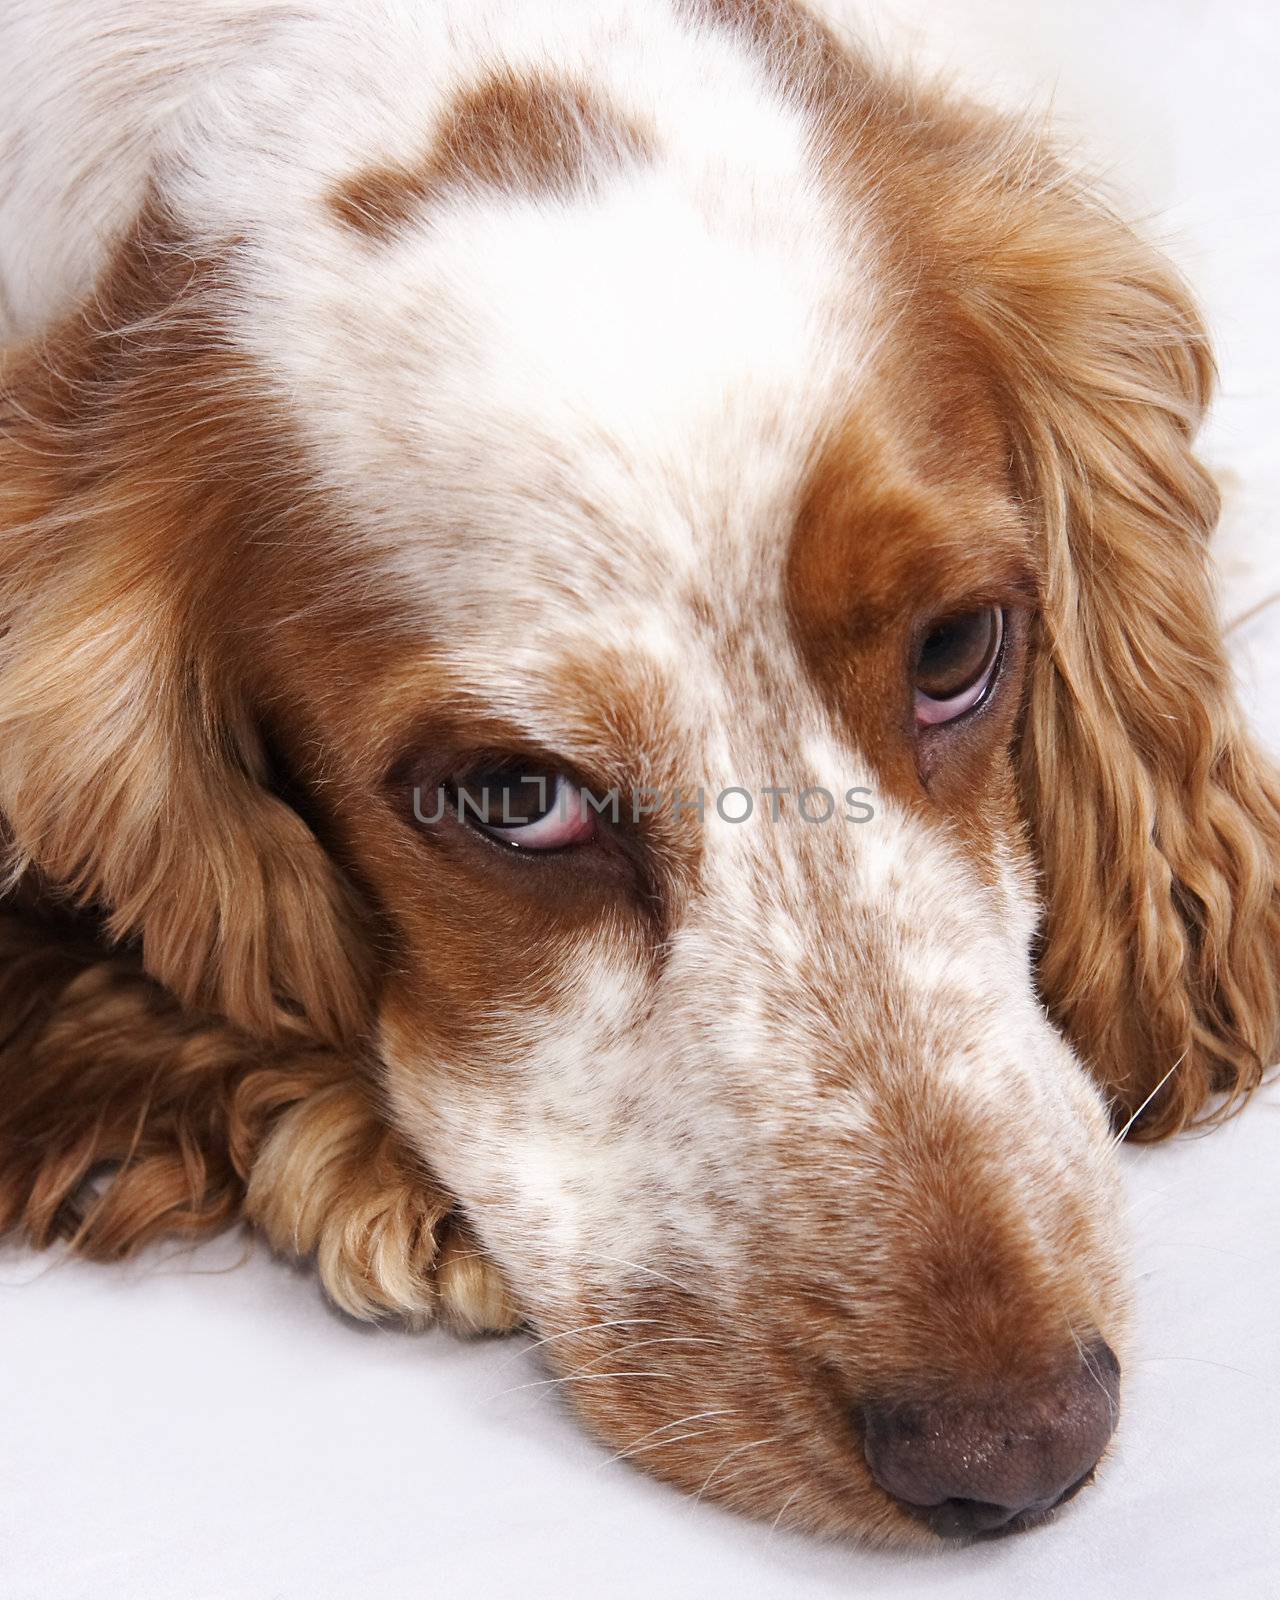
416, 570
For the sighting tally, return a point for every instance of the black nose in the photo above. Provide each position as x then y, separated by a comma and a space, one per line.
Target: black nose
995, 1460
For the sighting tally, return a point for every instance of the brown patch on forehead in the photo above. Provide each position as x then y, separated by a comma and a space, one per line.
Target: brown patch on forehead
526, 135
875, 544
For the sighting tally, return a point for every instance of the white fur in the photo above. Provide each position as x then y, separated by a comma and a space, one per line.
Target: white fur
553, 424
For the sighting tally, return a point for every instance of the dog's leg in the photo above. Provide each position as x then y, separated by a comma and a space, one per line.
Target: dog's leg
124, 1118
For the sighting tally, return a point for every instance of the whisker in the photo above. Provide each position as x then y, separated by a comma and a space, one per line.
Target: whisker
1250, 612
570, 1333
694, 1416
653, 1272
596, 1259
1215, 1249
574, 1377
1204, 1361
637, 1344
1119, 1138
751, 1444
1113, 1410
1144, 1202
784, 1508
657, 1444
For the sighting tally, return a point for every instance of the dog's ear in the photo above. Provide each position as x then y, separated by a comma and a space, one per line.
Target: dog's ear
1155, 819
131, 775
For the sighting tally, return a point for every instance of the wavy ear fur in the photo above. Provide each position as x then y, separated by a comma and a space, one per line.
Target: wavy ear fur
1156, 820
131, 775
125, 1118
133, 788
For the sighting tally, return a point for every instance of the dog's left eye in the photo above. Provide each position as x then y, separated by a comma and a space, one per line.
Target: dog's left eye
527, 809
957, 664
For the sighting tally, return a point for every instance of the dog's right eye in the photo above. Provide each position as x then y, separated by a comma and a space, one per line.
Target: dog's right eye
528, 810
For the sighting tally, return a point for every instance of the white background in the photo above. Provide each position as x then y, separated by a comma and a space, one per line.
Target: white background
202, 1427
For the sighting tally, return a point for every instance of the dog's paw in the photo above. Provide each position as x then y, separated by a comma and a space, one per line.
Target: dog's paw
331, 1182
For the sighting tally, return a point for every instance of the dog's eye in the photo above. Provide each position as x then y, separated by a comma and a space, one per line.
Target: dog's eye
527, 809
957, 664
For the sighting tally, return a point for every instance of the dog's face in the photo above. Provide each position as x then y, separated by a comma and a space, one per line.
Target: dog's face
763, 1119
532, 511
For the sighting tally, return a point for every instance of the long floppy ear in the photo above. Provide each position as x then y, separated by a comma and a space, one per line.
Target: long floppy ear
1156, 820
131, 775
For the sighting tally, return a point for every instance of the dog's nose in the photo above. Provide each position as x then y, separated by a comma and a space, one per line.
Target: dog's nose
995, 1461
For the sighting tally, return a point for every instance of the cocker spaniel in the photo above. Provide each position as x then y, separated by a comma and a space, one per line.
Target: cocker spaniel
612, 716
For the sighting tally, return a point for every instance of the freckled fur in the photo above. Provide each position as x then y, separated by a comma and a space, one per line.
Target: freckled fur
622, 382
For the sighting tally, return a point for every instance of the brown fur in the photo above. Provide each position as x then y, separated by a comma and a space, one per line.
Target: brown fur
532, 135
170, 842
1155, 819
113, 574
125, 1118
190, 956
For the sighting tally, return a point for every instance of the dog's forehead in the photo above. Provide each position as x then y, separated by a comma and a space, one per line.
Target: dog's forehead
630, 410
611, 389
557, 323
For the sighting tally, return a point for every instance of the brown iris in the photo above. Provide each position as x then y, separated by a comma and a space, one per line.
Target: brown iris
957, 663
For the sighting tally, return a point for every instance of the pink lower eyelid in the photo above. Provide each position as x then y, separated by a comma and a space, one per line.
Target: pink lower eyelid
934, 712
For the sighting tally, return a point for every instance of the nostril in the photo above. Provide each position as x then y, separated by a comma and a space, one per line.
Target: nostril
988, 1460
965, 1519
962, 1519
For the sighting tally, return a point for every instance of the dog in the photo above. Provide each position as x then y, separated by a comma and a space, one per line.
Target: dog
612, 716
